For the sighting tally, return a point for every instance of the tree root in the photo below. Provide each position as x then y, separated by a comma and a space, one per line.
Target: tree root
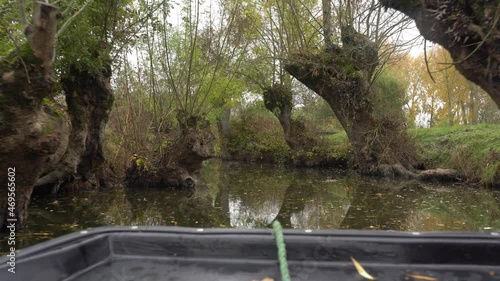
398, 170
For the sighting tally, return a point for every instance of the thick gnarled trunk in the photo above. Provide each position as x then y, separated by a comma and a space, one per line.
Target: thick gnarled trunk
179, 165
469, 30
89, 98
30, 129
347, 90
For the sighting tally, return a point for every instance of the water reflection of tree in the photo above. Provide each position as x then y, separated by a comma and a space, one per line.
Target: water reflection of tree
255, 192
298, 198
294, 202
193, 208
314, 205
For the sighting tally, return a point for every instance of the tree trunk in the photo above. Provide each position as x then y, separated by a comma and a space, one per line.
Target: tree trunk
278, 99
31, 130
180, 164
449, 105
341, 78
464, 113
467, 29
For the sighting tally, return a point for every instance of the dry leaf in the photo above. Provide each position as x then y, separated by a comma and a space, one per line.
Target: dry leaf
421, 277
361, 270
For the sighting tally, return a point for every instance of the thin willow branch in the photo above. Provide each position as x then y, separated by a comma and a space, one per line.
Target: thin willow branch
72, 18
427, 62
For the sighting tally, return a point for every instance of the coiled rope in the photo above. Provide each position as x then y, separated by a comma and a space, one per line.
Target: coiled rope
280, 244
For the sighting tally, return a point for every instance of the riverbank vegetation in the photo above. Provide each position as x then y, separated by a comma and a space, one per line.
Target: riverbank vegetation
155, 88
473, 150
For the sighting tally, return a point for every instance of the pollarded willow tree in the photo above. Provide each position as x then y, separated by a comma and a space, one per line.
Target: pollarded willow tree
49, 144
469, 30
359, 40
278, 27
343, 72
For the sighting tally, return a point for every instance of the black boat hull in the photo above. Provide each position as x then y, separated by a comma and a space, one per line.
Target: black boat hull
164, 253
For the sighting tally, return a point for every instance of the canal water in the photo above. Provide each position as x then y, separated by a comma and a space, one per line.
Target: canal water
249, 195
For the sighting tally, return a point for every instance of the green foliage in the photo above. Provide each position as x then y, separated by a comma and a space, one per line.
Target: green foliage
390, 92
140, 162
491, 173
317, 111
340, 147
198, 64
11, 35
473, 150
93, 35
257, 136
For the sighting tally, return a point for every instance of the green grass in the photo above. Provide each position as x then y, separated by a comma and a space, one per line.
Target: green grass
473, 150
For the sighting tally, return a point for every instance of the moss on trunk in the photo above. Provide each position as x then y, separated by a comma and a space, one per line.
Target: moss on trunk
179, 165
30, 131
89, 97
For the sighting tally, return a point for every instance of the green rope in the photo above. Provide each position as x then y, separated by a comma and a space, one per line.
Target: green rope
280, 243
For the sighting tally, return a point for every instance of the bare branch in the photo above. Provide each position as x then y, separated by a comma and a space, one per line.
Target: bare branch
427, 62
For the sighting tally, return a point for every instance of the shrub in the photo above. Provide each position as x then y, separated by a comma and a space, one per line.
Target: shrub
257, 137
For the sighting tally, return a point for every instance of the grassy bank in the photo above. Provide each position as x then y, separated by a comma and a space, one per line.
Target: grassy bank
473, 150
259, 137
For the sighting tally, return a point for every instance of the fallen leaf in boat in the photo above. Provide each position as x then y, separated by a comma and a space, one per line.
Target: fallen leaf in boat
361, 270
492, 273
265, 279
421, 277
